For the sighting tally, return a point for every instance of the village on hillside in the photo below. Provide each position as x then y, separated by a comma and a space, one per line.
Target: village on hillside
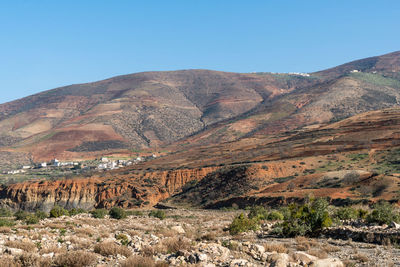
56, 168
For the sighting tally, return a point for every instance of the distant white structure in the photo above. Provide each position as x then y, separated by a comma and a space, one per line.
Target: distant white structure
43, 164
104, 159
26, 167
56, 162
354, 71
299, 74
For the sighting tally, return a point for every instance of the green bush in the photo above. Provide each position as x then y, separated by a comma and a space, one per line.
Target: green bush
6, 222
274, 216
117, 213
5, 212
41, 214
160, 214
258, 212
21, 215
383, 213
362, 214
99, 213
308, 219
31, 219
243, 224
123, 239
74, 211
58, 211
346, 213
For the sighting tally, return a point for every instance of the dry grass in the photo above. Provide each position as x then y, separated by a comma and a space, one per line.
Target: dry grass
24, 245
75, 259
80, 243
53, 249
8, 261
360, 257
271, 247
329, 248
32, 260
304, 244
148, 251
84, 232
138, 261
111, 249
318, 253
173, 245
5, 230
165, 232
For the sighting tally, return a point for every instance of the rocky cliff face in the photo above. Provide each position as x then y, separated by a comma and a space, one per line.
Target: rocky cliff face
131, 190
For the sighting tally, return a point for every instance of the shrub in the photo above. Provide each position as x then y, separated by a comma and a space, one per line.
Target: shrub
74, 211
27, 246
307, 219
75, 259
21, 215
58, 211
383, 213
111, 249
31, 219
5, 222
5, 212
123, 239
138, 261
346, 213
99, 213
160, 214
258, 212
41, 214
362, 214
174, 244
243, 224
117, 213
274, 216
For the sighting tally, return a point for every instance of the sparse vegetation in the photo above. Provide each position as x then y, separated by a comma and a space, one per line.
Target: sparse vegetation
160, 214
99, 213
117, 213
383, 213
242, 223
308, 219
58, 211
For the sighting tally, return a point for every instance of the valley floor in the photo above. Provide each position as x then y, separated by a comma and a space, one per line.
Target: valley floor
184, 237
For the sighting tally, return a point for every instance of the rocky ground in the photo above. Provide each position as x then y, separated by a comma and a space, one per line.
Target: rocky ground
185, 237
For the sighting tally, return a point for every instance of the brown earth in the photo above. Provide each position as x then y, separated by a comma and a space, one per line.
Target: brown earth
197, 107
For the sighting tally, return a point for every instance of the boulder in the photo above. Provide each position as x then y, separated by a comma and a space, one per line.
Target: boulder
278, 259
303, 257
179, 229
329, 262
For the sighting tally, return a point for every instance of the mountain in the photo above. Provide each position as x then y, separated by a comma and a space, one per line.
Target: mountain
199, 107
351, 161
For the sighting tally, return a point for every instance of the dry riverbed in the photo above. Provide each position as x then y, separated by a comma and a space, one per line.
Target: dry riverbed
185, 237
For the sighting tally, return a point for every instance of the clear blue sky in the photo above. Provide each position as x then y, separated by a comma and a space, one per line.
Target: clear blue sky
47, 44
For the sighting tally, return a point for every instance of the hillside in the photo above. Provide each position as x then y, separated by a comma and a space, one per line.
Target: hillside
352, 160
197, 107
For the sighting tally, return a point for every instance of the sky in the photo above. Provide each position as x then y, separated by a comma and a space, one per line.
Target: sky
48, 44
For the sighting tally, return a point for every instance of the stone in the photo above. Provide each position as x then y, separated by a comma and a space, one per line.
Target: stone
202, 257
303, 257
394, 225
179, 229
329, 262
14, 251
278, 259
238, 262
48, 255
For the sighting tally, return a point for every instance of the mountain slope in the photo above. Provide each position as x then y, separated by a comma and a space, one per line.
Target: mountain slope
193, 107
